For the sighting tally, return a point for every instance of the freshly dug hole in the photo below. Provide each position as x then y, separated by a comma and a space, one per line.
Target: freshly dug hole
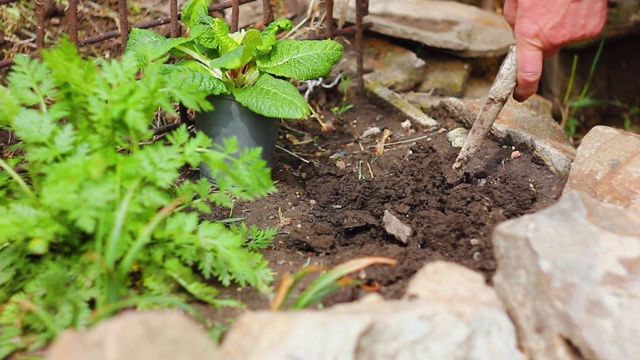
451, 220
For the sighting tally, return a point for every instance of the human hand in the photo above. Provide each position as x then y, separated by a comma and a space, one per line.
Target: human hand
540, 27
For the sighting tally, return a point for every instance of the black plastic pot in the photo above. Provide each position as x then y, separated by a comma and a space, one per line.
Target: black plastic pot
228, 119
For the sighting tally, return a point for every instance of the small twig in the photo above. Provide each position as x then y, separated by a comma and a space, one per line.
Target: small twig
400, 142
370, 171
293, 154
165, 128
499, 93
360, 176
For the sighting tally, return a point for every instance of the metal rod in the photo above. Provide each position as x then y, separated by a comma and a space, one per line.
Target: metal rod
267, 12
235, 15
175, 32
362, 10
328, 6
339, 32
173, 11
72, 15
5, 63
124, 22
40, 24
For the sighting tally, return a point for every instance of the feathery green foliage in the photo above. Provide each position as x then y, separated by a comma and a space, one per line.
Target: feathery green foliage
95, 222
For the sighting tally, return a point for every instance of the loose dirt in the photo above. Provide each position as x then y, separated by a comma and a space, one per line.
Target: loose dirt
332, 196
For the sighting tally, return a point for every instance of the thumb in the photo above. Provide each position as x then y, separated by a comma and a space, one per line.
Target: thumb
529, 60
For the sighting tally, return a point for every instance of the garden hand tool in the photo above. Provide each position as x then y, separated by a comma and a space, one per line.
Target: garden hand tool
499, 93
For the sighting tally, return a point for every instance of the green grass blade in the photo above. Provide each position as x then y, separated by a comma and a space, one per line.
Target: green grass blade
329, 279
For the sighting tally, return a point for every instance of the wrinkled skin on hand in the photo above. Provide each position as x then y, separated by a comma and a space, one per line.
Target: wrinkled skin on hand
540, 27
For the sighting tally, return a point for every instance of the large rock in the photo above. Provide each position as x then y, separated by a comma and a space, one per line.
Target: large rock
390, 64
528, 125
445, 77
140, 335
449, 313
570, 279
395, 67
607, 166
464, 29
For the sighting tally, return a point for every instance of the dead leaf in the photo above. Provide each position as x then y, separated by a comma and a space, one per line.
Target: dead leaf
292, 139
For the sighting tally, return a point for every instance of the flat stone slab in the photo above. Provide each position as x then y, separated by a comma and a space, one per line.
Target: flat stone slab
570, 279
527, 124
393, 99
466, 30
449, 313
607, 166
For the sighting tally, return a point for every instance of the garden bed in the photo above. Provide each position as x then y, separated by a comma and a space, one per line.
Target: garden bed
334, 189
332, 196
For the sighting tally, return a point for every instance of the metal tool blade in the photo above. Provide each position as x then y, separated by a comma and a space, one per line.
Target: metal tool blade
499, 93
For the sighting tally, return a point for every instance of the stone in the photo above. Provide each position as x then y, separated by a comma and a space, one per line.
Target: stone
457, 137
399, 69
445, 77
422, 100
392, 98
477, 88
569, 277
607, 166
140, 335
392, 65
449, 281
394, 226
529, 125
464, 29
463, 319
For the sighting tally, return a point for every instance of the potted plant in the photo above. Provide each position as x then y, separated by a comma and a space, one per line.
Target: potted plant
247, 73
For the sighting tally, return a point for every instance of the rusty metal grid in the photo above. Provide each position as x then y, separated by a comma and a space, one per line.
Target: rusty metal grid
330, 31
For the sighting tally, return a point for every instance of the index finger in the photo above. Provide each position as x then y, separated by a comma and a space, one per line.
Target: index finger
529, 70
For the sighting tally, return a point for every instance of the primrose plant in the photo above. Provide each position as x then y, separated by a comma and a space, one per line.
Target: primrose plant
253, 66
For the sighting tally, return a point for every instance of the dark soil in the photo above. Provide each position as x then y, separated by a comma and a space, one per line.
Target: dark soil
330, 209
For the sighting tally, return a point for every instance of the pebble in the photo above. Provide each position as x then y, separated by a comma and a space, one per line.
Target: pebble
457, 137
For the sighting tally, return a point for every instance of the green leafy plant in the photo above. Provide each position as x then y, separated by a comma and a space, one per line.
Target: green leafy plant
630, 117
330, 281
571, 106
251, 65
344, 106
92, 219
